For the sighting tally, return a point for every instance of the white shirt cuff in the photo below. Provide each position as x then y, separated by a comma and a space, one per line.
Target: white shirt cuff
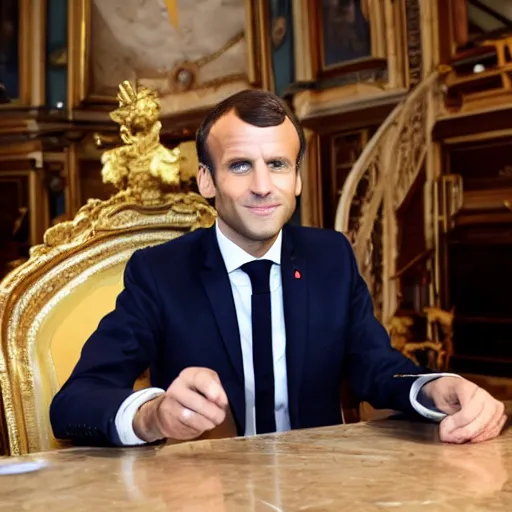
127, 411
428, 412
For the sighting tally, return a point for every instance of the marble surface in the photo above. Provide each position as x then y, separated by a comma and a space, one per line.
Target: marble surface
383, 465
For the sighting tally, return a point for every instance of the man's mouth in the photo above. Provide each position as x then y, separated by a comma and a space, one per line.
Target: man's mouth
263, 210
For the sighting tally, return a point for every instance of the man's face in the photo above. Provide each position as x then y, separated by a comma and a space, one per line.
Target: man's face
255, 179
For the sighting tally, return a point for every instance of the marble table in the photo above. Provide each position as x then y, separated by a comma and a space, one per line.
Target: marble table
377, 466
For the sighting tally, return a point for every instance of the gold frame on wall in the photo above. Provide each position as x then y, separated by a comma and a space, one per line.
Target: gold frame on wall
79, 24
25, 52
79, 74
41, 55
348, 80
377, 36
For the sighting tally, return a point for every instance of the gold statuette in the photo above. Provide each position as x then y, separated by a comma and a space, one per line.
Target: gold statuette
143, 165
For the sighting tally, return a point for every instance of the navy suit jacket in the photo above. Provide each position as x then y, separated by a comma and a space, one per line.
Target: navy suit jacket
177, 311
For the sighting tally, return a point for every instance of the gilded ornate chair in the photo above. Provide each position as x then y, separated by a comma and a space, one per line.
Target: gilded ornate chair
53, 302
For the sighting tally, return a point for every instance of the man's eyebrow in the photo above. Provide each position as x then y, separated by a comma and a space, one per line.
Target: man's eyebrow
241, 158
235, 158
283, 159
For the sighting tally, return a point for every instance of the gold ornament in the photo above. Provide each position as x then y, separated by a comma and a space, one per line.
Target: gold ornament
127, 167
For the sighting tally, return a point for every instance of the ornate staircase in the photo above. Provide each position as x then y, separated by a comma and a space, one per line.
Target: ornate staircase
392, 163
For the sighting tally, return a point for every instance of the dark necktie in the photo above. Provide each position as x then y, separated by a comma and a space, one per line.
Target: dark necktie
263, 361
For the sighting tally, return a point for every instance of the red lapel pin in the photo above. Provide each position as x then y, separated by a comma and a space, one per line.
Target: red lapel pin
297, 275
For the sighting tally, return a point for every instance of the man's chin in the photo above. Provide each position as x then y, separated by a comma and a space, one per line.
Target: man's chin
263, 235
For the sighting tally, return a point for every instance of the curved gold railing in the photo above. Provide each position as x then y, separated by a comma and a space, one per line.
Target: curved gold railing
378, 185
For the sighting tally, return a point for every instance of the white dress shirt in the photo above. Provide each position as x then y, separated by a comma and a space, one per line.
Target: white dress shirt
234, 257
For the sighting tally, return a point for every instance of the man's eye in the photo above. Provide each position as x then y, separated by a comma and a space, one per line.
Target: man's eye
277, 165
240, 167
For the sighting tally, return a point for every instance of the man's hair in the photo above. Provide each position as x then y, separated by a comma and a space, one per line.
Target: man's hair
256, 107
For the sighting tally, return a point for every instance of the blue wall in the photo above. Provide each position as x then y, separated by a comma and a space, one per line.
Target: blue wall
56, 40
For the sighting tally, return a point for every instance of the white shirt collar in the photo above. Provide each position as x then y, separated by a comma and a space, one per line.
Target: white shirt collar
234, 256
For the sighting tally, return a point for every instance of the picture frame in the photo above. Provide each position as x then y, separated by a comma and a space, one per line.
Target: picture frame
347, 36
86, 91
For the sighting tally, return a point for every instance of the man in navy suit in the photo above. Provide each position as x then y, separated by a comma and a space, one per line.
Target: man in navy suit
252, 314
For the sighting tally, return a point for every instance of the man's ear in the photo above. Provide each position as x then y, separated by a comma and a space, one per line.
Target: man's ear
298, 185
205, 182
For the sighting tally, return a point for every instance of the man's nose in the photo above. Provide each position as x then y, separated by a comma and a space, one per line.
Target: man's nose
261, 180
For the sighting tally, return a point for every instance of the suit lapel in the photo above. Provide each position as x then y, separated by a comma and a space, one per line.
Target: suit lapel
294, 274
218, 289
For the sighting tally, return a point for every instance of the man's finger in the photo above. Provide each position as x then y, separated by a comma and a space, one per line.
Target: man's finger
193, 420
492, 433
191, 400
487, 417
494, 427
207, 383
476, 426
472, 405
168, 423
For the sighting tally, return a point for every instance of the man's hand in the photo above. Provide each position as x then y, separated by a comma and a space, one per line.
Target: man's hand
473, 414
194, 403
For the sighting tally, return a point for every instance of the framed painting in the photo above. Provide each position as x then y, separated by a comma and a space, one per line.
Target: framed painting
347, 35
345, 32
193, 52
14, 52
281, 48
